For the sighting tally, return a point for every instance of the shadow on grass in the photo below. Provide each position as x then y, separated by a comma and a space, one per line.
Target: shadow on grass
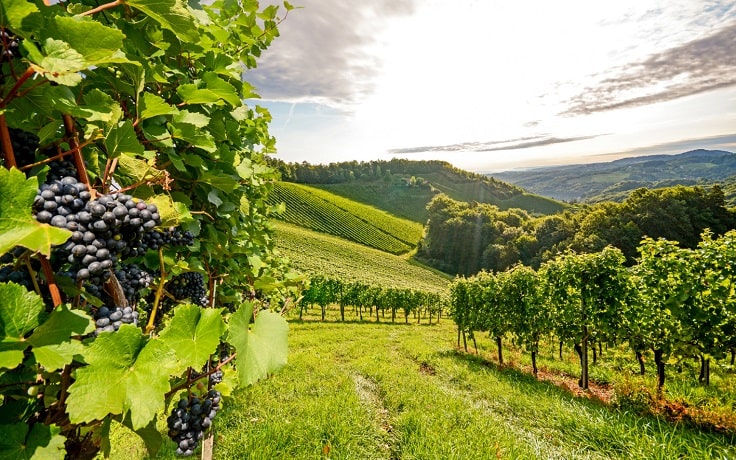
655, 410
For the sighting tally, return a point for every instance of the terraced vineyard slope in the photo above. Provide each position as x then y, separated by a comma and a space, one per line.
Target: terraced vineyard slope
317, 253
327, 212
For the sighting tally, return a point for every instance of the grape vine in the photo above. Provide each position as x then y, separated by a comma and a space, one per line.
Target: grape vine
133, 177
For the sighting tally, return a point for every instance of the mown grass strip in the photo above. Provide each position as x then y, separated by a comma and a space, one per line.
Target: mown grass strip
316, 253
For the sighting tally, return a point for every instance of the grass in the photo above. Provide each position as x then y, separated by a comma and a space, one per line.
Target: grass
321, 254
393, 391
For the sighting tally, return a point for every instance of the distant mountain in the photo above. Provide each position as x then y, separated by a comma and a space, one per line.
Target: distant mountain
613, 180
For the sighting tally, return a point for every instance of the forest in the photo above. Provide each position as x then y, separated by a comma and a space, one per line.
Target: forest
464, 238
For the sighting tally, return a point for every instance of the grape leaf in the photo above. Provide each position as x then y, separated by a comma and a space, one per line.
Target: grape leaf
122, 139
17, 226
126, 373
171, 14
194, 333
261, 349
39, 442
15, 15
95, 42
52, 343
154, 106
20, 313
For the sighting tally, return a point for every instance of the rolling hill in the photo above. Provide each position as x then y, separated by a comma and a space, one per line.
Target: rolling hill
613, 180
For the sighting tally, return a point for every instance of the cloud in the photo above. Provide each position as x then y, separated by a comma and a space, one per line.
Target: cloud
701, 65
495, 146
323, 52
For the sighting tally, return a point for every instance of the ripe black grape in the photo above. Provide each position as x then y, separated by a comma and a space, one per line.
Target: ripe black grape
103, 231
109, 319
9, 45
133, 280
189, 285
24, 145
190, 419
172, 236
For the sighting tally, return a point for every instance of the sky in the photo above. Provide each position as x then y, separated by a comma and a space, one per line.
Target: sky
496, 85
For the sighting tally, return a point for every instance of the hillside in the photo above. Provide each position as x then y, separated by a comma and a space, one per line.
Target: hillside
316, 253
404, 188
613, 180
327, 212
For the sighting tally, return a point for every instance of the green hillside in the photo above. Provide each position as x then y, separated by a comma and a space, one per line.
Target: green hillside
327, 212
404, 188
316, 253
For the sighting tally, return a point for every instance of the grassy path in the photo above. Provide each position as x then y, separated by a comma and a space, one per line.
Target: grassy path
395, 391
383, 391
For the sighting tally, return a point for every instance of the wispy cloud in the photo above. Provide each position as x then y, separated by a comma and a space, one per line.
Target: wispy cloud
323, 52
701, 65
495, 146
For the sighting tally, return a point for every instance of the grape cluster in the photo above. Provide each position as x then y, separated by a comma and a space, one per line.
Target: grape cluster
7, 273
170, 237
103, 229
24, 145
110, 319
133, 279
189, 285
10, 46
190, 419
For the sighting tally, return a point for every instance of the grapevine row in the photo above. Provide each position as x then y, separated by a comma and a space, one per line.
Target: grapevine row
677, 303
326, 291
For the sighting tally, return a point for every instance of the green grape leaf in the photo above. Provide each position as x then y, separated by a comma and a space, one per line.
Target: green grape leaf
219, 180
199, 120
122, 139
51, 341
173, 15
95, 42
40, 442
154, 106
263, 348
60, 64
172, 212
17, 226
197, 137
20, 312
222, 89
126, 373
15, 15
194, 334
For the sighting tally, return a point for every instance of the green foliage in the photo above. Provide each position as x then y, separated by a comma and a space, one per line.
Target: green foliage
466, 237
322, 211
145, 98
17, 225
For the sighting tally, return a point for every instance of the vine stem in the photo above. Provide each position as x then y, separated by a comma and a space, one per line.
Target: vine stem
33, 276
188, 383
159, 292
7, 144
55, 157
49, 274
14, 90
73, 137
104, 7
